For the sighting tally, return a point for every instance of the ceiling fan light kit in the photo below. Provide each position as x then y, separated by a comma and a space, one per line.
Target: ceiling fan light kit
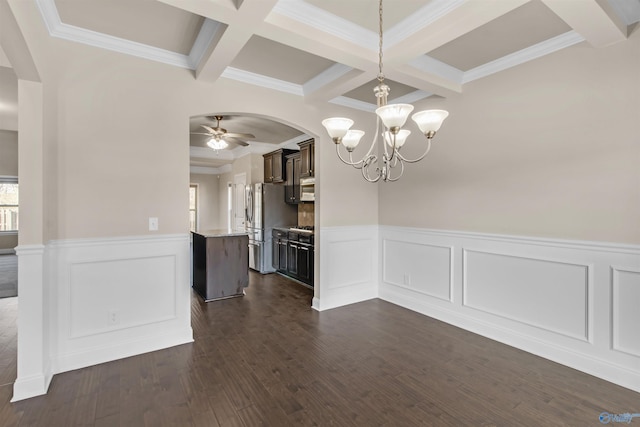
390, 118
220, 137
217, 143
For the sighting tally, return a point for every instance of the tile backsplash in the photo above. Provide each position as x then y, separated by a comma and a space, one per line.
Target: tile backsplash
305, 214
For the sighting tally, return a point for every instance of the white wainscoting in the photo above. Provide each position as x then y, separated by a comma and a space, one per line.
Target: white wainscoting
117, 297
577, 303
348, 266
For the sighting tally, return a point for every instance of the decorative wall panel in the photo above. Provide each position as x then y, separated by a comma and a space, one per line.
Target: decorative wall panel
425, 269
552, 295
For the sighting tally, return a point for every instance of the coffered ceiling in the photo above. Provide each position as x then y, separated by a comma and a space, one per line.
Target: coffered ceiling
326, 50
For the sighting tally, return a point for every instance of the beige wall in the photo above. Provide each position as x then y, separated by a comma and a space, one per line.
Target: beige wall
8, 167
117, 132
549, 148
208, 201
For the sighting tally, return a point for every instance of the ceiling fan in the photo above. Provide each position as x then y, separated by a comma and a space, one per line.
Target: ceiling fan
220, 137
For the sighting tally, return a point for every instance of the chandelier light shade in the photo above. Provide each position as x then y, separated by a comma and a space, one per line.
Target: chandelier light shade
429, 121
390, 118
394, 116
399, 139
337, 126
352, 139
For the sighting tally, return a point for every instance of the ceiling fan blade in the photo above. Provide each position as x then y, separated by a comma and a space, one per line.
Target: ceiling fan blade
210, 129
201, 133
236, 140
240, 135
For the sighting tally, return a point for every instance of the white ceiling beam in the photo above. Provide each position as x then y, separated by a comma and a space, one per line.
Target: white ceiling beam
339, 87
14, 45
239, 30
241, 19
595, 20
420, 79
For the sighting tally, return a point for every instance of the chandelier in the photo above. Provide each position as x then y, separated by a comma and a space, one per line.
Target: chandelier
389, 133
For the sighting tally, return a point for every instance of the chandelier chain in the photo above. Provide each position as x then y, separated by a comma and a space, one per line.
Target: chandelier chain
380, 74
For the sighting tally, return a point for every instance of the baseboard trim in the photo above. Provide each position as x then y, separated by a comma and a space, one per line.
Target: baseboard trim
32, 386
335, 302
108, 353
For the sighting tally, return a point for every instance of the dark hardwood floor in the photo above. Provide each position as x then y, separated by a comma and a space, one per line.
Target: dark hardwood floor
269, 359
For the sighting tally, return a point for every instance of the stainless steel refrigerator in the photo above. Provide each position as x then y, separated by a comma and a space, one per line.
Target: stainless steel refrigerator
265, 209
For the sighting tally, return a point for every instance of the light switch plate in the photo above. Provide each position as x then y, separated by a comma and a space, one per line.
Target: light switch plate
153, 224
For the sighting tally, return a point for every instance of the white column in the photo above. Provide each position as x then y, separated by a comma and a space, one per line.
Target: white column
33, 356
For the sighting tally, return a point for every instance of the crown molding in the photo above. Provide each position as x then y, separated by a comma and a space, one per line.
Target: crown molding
72, 33
354, 103
422, 18
324, 21
411, 97
536, 51
326, 77
431, 65
441, 69
264, 81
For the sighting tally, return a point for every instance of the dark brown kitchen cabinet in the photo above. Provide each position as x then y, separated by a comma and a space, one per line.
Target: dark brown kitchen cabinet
293, 255
274, 170
292, 258
304, 264
292, 183
279, 249
307, 158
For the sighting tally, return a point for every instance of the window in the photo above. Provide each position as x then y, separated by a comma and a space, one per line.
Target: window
193, 207
8, 204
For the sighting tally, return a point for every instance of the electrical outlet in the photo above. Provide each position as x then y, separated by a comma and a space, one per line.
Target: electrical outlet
407, 279
114, 317
153, 224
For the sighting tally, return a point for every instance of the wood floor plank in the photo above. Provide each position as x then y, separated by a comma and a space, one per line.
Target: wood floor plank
269, 359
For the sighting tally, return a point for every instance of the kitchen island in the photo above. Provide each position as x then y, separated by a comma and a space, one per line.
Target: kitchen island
220, 263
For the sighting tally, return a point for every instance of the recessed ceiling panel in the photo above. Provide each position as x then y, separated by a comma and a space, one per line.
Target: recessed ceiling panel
365, 92
272, 59
148, 22
523, 27
365, 12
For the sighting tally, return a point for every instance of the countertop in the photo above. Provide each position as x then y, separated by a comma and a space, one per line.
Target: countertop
221, 233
